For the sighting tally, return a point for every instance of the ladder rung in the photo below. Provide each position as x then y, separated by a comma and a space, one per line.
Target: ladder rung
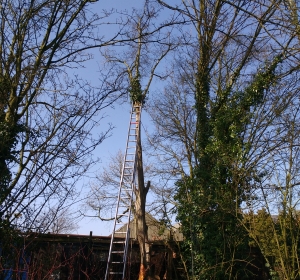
123, 204
115, 272
117, 252
126, 187
119, 242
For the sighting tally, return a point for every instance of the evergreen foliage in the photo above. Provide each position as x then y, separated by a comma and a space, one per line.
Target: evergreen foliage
135, 91
9, 132
209, 203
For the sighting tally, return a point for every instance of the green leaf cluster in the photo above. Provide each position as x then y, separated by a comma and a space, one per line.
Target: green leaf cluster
8, 140
135, 91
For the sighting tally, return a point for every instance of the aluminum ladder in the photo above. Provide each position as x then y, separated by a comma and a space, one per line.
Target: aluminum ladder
117, 257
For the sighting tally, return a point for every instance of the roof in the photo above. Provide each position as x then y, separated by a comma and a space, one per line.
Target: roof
157, 231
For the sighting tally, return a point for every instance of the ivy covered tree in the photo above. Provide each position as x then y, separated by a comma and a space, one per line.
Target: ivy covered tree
220, 185
231, 81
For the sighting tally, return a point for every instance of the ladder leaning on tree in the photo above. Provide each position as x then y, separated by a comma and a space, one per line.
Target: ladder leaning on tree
117, 257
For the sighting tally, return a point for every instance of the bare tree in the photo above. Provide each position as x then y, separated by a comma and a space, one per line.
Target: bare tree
102, 192
47, 116
138, 62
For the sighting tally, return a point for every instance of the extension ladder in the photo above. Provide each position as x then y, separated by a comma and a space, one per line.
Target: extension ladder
117, 256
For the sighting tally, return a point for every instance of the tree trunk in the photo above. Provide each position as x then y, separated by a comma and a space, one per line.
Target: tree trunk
141, 227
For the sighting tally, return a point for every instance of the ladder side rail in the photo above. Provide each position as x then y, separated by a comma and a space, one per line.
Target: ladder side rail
125, 254
128, 223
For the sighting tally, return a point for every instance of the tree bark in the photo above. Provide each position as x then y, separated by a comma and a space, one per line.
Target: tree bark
140, 204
